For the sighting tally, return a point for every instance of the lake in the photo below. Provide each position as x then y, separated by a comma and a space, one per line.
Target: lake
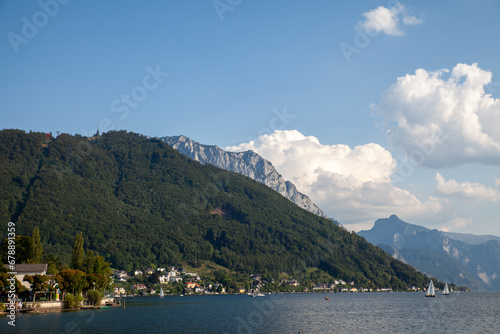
474, 312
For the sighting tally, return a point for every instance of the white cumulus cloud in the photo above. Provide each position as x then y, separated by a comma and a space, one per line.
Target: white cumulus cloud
444, 117
455, 224
387, 20
350, 184
466, 190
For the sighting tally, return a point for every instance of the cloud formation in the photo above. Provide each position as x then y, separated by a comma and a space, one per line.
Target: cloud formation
387, 20
445, 115
466, 190
350, 184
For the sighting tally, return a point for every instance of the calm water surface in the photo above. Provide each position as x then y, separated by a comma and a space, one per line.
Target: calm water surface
477, 312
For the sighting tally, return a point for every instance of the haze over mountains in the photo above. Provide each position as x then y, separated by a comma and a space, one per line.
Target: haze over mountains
246, 163
462, 259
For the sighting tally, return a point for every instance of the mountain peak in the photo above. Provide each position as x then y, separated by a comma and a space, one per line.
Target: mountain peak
247, 163
458, 258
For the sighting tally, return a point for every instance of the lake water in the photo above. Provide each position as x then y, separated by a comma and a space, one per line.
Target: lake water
475, 312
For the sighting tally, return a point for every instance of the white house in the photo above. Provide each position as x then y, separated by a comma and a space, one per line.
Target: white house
22, 270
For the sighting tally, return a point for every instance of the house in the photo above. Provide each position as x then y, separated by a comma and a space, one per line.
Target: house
293, 282
121, 275
139, 287
322, 286
161, 270
175, 279
191, 285
195, 275
257, 284
255, 277
241, 290
22, 270
137, 272
149, 271
120, 291
219, 287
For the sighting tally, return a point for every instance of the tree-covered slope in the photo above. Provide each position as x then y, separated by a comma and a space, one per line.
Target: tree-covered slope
138, 202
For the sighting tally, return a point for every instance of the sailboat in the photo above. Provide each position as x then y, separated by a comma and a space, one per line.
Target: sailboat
161, 292
430, 290
446, 291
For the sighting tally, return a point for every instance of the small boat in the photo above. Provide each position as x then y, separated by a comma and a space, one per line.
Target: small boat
256, 294
326, 298
430, 290
446, 291
161, 292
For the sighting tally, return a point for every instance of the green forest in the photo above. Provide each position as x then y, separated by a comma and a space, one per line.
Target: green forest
139, 203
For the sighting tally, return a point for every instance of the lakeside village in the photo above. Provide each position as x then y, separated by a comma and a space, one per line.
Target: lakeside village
36, 291
177, 281
88, 281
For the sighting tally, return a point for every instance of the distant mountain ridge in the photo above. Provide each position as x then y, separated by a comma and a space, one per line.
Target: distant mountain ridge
249, 164
463, 259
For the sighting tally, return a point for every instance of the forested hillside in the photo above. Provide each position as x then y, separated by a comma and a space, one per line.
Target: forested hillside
140, 203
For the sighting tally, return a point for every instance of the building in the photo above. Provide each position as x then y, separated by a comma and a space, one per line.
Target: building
121, 275
120, 291
22, 270
139, 287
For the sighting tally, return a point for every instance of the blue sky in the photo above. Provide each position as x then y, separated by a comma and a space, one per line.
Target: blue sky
225, 72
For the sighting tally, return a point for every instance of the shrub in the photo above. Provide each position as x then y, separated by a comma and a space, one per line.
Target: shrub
94, 296
72, 301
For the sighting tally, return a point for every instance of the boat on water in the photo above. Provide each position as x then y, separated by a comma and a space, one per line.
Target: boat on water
326, 298
430, 290
257, 295
446, 291
161, 292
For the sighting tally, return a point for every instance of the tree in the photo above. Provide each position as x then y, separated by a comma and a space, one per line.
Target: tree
36, 248
97, 270
71, 280
5, 283
95, 297
54, 264
78, 255
23, 246
39, 283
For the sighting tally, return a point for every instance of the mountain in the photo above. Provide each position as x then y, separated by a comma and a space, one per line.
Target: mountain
246, 163
140, 203
462, 259
471, 238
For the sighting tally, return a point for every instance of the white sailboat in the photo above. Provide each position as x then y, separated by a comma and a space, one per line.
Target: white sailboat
446, 291
161, 292
430, 290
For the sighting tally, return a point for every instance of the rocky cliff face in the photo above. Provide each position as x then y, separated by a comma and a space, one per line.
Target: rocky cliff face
439, 254
246, 163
